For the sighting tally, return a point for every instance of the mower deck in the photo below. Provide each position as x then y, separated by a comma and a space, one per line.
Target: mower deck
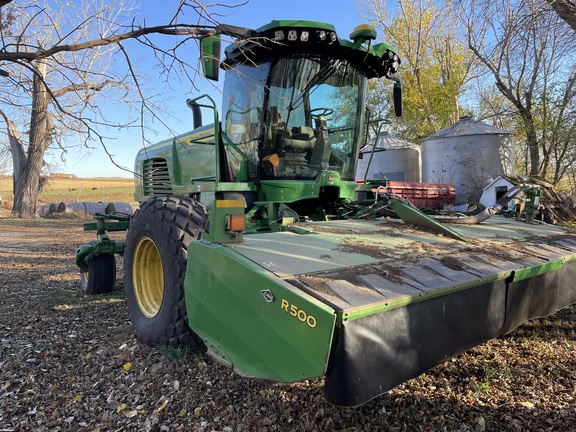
354, 264
371, 304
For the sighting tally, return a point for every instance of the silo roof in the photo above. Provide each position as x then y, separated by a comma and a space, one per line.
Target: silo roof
389, 142
468, 126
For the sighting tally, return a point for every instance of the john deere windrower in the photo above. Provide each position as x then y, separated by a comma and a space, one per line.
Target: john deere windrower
251, 239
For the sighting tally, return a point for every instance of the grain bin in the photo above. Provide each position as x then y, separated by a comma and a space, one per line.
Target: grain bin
393, 159
469, 154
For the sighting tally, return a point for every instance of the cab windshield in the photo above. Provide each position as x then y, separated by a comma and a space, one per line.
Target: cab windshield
311, 110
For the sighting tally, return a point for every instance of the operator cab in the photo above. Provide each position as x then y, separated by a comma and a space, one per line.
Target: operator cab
294, 101
294, 117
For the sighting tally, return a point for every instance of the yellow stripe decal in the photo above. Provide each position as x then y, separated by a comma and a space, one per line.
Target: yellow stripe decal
229, 203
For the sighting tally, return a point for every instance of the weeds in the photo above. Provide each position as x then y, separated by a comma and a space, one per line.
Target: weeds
178, 354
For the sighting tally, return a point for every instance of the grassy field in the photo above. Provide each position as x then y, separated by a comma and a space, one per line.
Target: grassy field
61, 189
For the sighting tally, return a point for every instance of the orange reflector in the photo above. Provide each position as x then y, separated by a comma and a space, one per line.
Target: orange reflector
274, 159
236, 223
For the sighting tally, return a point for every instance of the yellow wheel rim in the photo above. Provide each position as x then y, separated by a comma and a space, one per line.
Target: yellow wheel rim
148, 277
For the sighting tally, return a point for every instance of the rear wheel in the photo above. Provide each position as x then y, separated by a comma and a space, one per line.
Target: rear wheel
101, 275
155, 265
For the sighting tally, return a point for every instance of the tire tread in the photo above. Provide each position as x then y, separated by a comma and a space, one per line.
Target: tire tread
181, 220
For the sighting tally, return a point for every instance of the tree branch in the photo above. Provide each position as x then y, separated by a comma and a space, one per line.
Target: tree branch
566, 9
173, 30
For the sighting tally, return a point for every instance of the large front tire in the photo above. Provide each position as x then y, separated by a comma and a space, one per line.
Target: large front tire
155, 265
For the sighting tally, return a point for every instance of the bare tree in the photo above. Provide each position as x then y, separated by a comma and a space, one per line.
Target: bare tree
528, 52
557, 111
60, 64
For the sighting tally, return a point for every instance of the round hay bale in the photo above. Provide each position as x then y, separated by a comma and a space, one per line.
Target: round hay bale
94, 207
71, 207
119, 207
43, 210
53, 208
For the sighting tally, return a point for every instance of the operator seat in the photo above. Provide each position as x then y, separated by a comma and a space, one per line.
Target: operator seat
299, 138
287, 150
321, 152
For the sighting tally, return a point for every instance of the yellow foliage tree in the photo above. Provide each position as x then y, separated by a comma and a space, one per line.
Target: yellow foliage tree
436, 64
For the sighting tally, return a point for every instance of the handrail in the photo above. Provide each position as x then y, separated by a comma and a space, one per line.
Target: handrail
381, 123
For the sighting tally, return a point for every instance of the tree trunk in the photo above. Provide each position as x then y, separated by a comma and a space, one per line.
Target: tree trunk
16, 150
566, 9
534, 156
18, 155
532, 144
27, 185
456, 113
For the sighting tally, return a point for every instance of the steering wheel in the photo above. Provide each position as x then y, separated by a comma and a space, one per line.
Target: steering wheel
319, 112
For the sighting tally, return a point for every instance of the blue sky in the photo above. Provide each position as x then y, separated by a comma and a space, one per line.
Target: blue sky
342, 14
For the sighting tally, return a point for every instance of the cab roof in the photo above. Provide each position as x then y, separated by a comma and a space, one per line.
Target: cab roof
286, 38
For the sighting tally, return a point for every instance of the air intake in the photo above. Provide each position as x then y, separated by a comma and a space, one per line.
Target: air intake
156, 177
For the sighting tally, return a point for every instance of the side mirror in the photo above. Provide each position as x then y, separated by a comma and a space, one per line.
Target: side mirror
397, 99
210, 56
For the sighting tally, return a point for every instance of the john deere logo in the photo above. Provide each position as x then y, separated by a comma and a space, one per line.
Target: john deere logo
330, 178
268, 295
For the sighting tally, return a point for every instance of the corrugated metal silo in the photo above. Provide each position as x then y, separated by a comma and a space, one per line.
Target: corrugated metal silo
469, 155
393, 159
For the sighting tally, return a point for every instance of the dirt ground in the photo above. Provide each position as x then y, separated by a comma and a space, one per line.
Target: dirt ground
70, 362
